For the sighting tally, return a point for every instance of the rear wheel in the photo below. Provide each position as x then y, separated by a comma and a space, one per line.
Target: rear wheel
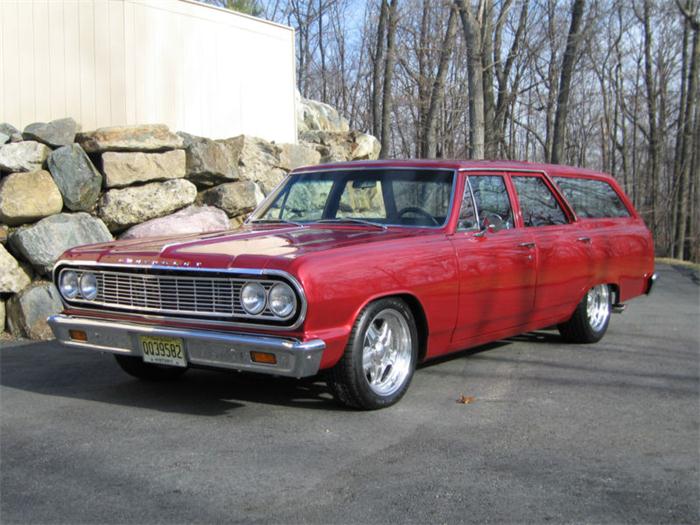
135, 366
380, 357
591, 317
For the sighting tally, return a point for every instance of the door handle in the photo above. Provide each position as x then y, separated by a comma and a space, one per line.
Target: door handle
527, 245
584, 239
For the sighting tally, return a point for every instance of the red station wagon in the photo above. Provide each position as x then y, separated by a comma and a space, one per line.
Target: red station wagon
362, 270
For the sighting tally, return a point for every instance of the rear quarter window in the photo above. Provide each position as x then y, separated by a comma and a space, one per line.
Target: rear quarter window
591, 198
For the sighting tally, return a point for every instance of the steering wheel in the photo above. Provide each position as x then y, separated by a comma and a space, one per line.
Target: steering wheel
418, 211
491, 216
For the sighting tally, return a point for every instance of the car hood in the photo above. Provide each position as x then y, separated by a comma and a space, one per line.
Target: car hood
247, 247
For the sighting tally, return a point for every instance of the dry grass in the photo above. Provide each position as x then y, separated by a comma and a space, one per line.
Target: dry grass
678, 262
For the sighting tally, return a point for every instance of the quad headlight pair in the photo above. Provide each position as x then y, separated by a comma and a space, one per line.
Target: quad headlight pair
281, 299
74, 284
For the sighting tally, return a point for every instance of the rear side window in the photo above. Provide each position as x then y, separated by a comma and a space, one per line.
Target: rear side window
491, 198
538, 204
592, 199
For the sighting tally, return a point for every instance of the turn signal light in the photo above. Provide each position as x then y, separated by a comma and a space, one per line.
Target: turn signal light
78, 335
264, 357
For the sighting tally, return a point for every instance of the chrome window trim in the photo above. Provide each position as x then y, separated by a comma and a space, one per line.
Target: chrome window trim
468, 187
568, 207
450, 205
290, 279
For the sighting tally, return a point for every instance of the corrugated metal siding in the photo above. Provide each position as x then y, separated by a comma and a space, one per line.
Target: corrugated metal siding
196, 68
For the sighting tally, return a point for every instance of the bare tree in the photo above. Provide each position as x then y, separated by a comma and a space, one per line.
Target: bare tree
390, 60
608, 84
472, 36
378, 62
438, 91
567, 68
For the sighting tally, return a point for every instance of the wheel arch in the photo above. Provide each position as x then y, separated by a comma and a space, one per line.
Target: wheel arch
615, 289
419, 316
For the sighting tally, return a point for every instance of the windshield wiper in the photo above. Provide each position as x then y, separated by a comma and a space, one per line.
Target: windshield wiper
351, 220
275, 221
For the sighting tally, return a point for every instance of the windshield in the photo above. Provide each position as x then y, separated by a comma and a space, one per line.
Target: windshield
381, 196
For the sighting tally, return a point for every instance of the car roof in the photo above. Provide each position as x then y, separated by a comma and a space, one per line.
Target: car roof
505, 165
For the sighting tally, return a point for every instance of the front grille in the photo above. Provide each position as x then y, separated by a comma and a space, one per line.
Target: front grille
187, 295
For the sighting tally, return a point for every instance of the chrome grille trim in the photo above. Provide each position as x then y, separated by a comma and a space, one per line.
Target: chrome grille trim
198, 294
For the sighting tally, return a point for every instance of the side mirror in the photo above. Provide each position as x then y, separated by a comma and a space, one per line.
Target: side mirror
491, 223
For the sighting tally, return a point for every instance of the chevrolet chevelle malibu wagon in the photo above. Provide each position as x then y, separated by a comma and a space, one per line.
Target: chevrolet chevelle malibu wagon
360, 271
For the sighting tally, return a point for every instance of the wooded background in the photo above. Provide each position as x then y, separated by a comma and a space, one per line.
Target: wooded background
605, 84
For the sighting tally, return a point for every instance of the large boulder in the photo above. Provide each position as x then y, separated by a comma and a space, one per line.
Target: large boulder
365, 147
13, 277
23, 156
28, 310
122, 208
235, 198
313, 115
268, 180
259, 162
193, 219
76, 177
26, 197
342, 146
56, 133
42, 243
294, 156
126, 168
2, 316
333, 147
256, 155
11, 132
212, 162
150, 137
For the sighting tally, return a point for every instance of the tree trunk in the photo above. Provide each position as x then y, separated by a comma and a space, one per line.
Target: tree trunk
388, 78
438, 92
322, 53
688, 111
472, 37
423, 86
567, 67
651, 115
487, 65
377, 71
506, 95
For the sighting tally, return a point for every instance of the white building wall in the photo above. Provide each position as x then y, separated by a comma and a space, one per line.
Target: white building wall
196, 68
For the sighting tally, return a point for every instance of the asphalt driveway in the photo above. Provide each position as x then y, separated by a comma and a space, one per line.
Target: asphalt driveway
605, 433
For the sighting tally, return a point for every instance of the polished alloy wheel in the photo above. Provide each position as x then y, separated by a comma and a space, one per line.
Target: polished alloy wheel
598, 306
386, 352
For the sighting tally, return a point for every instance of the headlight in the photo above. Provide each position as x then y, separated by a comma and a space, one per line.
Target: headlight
282, 300
253, 298
88, 286
69, 284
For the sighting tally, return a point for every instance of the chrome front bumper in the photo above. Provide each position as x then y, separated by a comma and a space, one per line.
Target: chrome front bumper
214, 349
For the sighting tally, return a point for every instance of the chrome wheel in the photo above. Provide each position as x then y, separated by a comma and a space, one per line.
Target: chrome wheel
387, 352
598, 307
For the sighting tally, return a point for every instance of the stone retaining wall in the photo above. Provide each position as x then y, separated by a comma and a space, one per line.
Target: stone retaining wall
60, 188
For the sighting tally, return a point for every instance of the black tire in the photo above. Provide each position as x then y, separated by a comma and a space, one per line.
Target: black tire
135, 366
581, 328
348, 380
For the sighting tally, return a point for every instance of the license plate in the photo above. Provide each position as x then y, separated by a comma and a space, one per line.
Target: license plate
163, 350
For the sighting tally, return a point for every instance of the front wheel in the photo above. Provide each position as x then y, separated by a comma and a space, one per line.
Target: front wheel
135, 366
380, 357
591, 317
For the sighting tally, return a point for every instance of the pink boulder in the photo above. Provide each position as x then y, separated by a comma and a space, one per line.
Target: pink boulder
193, 219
